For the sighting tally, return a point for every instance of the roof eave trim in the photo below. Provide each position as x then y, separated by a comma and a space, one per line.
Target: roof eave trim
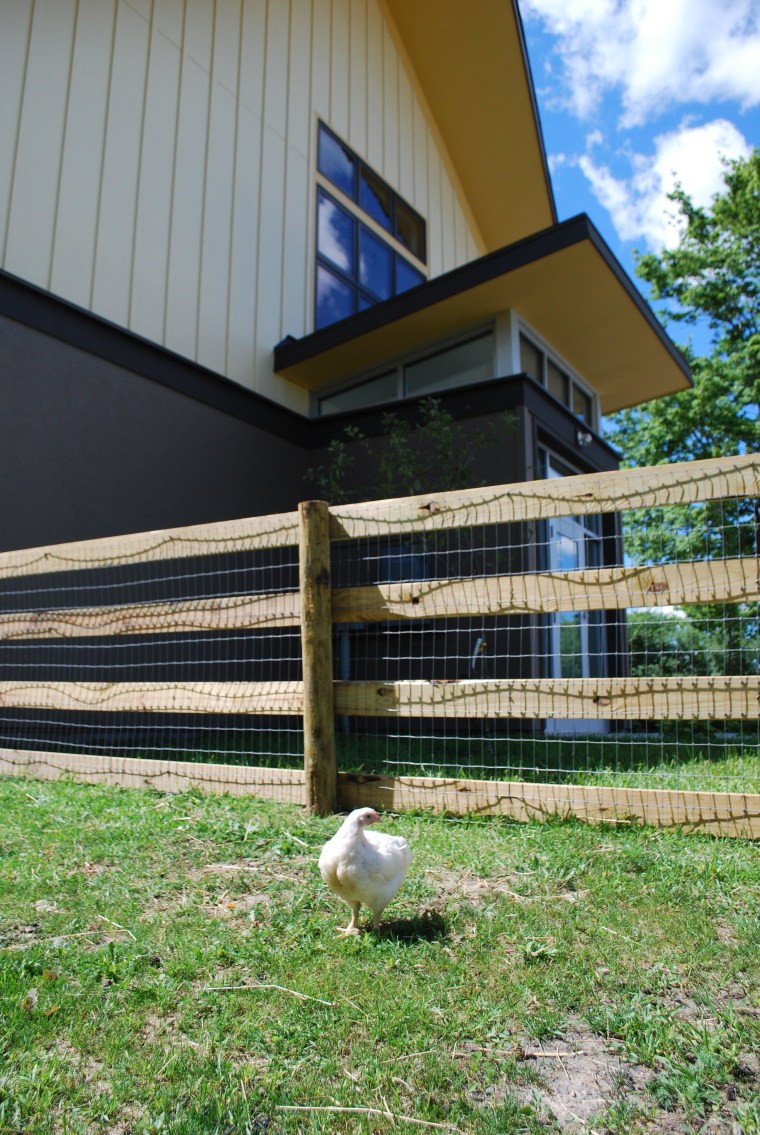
290, 352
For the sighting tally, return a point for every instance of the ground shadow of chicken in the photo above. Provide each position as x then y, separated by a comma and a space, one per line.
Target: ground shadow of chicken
427, 926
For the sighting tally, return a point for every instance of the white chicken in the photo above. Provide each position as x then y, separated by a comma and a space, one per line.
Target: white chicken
364, 867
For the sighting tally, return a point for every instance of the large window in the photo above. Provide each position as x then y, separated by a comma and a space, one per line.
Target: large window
370, 243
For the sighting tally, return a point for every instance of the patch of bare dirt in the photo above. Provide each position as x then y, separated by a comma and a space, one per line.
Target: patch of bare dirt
457, 889
226, 906
581, 1078
20, 937
82, 1067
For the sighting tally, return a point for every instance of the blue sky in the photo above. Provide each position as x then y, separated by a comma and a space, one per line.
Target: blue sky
635, 95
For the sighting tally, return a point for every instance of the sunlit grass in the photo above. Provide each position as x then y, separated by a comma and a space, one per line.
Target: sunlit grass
129, 920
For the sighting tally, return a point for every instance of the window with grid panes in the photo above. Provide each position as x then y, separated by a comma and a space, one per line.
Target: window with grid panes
370, 243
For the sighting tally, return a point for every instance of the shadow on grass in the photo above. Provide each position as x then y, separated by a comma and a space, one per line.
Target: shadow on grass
426, 927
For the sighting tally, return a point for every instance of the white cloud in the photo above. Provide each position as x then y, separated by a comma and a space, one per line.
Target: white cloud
656, 53
691, 157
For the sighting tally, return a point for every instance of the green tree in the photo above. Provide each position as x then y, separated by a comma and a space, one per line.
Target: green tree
711, 280
430, 454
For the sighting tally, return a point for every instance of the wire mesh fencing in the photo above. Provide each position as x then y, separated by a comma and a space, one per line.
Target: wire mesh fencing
598, 631
572, 644
128, 657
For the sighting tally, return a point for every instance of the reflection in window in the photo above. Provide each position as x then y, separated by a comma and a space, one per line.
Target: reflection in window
335, 233
351, 248
375, 265
334, 297
336, 162
457, 365
375, 198
581, 405
407, 275
410, 229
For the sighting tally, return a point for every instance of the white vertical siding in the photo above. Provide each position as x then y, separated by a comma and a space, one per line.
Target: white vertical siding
157, 161
219, 179
39, 153
340, 97
357, 107
73, 259
150, 256
375, 70
120, 175
14, 49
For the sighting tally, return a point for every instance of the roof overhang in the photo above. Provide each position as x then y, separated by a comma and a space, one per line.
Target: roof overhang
563, 281
471, 63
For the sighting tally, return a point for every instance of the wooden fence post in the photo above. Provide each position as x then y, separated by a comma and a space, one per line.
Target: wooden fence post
316, 644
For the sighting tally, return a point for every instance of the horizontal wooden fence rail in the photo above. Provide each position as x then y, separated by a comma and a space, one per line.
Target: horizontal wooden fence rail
231, 612
318, 608
271, 698
622, 699
618, 699
286, 785
710, 813
680, 483
594, 589
276, 531
586, 494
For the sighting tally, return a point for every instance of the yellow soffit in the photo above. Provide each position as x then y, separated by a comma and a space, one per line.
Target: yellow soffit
471, 64
564, 282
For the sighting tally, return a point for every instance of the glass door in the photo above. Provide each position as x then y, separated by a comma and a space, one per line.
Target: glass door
575, 638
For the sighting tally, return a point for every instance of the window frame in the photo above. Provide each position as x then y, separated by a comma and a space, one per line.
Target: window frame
399, 366
362, 294
574, 380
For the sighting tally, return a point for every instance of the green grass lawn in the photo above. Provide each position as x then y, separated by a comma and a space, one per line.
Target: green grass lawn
528, 978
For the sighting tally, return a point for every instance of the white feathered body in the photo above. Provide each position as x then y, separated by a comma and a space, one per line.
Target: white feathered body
364, 867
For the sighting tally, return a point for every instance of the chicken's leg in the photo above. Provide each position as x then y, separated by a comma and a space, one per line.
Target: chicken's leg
353, 926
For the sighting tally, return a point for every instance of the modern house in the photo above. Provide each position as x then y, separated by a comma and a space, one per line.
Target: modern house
229, 226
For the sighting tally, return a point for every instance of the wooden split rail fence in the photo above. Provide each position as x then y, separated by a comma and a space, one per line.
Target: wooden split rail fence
316, 607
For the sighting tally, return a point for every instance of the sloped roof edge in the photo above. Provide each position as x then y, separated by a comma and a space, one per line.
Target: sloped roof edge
472, 65
564, 281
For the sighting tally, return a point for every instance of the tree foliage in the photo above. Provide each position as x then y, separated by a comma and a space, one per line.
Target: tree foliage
710, 279
431, 453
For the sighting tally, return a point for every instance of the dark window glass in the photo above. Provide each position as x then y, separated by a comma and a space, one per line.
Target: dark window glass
335, 298
581, 405
376, 198
375, 265
410, 229
335, 233
407, 275
531, 359
557, 383
336, 162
